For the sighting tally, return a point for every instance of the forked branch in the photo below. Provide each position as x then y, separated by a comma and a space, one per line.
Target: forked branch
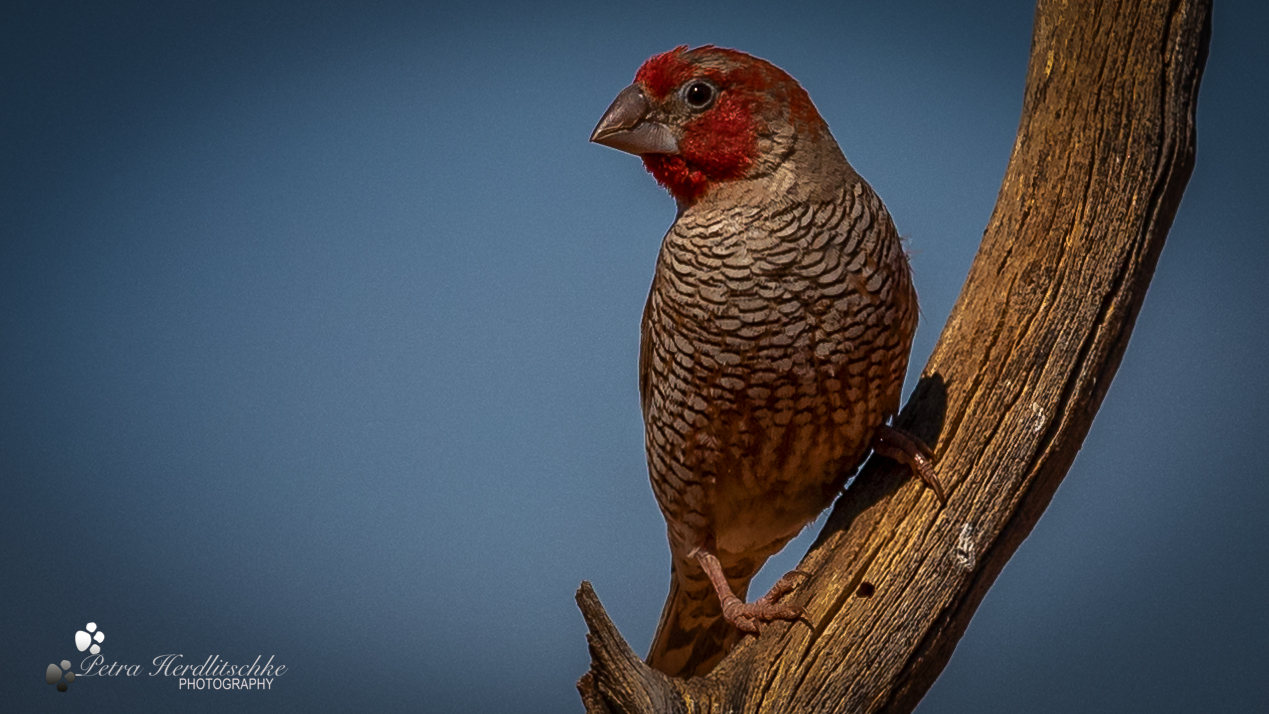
1103, 153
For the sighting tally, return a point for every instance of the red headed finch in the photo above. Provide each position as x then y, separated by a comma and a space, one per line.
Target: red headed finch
775, 338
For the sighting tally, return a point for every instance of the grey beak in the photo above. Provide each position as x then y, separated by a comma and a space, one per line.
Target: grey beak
625, 126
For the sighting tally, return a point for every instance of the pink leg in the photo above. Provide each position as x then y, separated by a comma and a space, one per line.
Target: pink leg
905, 448
745, 616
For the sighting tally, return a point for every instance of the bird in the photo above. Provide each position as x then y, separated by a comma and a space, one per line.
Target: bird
774, 340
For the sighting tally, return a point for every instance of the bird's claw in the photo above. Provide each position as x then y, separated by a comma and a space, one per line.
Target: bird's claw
905, 448
747, 616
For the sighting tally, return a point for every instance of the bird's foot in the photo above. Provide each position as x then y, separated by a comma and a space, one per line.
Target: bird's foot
905, 448
746, 616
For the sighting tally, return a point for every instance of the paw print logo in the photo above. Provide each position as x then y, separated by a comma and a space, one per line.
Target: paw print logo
86, 641
56, 675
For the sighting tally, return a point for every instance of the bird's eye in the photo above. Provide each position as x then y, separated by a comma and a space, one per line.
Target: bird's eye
699, 95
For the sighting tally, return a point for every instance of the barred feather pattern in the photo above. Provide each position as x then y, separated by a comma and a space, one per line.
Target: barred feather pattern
774, 343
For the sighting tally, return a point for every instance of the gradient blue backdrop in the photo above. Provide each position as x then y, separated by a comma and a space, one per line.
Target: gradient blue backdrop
319, 327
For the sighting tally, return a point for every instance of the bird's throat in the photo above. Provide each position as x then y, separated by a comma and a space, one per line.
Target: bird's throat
673, 172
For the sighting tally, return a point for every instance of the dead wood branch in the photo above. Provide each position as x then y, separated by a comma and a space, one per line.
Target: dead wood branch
1103, 153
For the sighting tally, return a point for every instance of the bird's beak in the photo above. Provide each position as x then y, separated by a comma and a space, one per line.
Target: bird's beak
625, 126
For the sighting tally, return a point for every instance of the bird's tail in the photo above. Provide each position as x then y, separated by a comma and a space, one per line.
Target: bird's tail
693, 636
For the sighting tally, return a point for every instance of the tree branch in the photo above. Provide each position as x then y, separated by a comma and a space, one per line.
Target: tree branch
1103, 153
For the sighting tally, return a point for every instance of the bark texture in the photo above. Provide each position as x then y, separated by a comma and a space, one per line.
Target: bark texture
1104, 150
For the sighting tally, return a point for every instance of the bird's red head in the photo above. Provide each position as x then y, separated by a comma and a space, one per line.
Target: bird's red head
709, 115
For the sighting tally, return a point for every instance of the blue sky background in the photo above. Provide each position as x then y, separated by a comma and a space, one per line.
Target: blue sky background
320, 321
